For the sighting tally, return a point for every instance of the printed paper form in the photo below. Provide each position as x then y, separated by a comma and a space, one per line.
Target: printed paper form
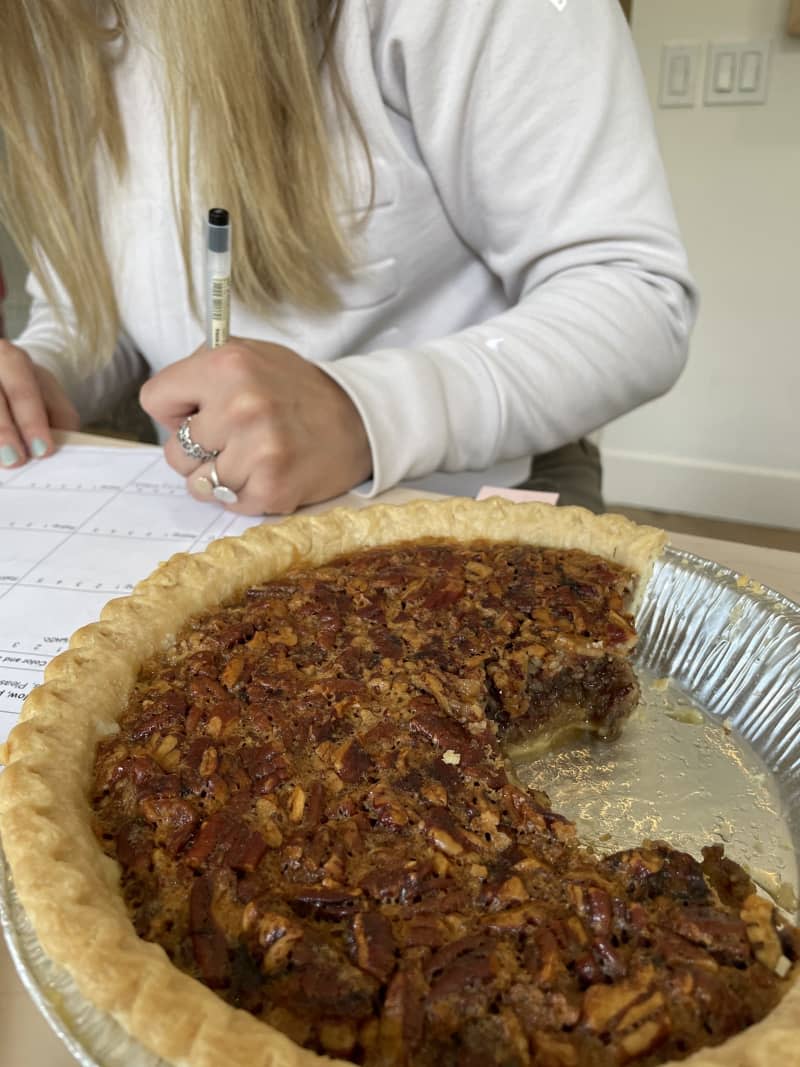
76, 530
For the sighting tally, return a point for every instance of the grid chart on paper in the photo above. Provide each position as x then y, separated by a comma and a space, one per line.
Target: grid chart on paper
76, 530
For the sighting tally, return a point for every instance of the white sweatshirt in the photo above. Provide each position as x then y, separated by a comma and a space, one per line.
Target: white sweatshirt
520, 280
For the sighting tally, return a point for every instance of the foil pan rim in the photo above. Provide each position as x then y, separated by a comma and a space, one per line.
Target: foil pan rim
751, 586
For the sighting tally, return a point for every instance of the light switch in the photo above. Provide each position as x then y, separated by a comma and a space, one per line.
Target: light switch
724, 72
678, 75
679, 65
749, 72
736, 73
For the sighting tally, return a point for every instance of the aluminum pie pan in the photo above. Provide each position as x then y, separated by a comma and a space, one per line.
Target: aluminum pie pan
712, 755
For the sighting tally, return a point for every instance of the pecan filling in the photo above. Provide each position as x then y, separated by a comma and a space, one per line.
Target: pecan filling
313, 816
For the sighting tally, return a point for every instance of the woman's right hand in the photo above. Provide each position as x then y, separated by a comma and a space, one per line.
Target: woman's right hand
32, 403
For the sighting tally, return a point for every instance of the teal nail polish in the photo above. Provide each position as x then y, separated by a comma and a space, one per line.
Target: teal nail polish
38, 447
8, 456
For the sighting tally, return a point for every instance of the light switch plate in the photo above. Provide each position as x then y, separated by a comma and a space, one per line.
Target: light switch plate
680, 63
737, 73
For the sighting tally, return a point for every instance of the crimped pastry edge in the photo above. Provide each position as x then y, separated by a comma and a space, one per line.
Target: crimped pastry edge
69, 888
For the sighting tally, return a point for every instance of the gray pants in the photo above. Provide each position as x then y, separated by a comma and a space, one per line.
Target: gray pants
573, 471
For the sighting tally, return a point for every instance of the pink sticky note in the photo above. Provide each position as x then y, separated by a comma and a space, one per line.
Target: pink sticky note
517, 496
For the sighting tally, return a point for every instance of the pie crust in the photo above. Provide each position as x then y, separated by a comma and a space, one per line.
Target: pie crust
69, 888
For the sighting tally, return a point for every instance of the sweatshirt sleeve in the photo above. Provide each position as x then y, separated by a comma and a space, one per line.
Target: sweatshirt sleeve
46, 339
532, 119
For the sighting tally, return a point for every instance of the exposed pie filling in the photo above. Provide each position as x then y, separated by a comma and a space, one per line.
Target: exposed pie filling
312, 813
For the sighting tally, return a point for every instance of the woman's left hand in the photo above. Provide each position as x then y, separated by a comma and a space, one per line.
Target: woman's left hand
286, 433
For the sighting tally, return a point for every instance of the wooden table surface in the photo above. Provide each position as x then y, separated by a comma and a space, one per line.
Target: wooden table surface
25, 1038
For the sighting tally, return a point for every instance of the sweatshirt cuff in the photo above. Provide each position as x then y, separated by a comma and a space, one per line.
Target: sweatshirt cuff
406, 423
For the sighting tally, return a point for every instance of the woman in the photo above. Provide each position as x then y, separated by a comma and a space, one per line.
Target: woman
453, 242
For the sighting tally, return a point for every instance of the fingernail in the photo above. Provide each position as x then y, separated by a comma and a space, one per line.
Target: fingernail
202, 486
38, 447
8, 456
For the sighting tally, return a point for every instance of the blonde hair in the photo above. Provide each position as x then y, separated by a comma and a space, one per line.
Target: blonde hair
243, 73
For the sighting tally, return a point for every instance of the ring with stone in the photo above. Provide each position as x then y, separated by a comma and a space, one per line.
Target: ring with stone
192, 448
219, 491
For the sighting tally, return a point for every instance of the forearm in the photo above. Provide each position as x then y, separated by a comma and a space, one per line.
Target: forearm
587, 346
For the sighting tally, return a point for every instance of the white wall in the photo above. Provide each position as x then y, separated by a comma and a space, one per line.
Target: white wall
726, 441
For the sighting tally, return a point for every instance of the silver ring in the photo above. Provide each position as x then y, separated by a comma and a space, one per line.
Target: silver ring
220, 492
190, 447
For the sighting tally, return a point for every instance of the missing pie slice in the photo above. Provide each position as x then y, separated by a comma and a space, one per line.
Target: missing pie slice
286, 757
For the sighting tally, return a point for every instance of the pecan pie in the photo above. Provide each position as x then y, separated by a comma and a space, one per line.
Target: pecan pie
300, 791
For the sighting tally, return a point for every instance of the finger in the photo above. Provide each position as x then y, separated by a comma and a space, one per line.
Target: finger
206, 483
179, 458
176, 391
172, 417
202, 485
24, 424
61, 412
260, 477
12, 447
